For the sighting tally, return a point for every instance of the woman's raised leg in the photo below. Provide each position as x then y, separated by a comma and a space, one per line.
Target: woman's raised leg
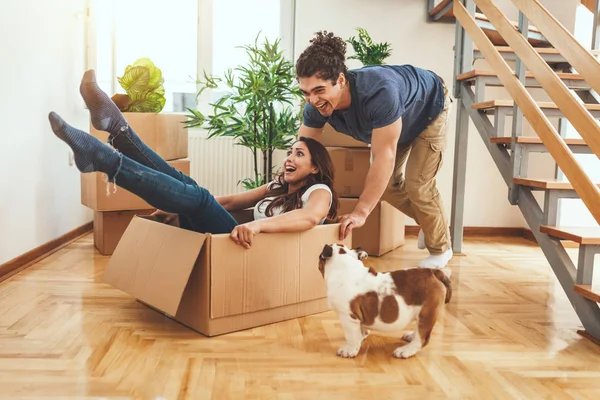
158, 189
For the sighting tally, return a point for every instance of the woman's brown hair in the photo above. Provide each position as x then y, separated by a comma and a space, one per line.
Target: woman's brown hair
292, 201
325, 56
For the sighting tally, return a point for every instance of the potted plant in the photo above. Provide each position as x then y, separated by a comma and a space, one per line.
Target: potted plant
143, 84
258, 110
367, 52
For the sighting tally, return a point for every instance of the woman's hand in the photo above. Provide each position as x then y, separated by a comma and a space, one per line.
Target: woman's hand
243, 234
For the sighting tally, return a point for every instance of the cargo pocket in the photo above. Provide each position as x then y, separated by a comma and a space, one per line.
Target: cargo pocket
427, 158
438, 150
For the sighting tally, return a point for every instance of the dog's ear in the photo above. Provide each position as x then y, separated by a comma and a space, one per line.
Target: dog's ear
361, 253
326, 253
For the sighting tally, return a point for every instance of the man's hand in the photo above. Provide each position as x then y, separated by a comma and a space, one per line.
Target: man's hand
349, 222
243, 234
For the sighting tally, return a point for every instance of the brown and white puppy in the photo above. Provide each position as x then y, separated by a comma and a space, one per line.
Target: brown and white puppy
364, 299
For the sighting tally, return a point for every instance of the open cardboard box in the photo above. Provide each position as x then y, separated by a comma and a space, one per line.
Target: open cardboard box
214, 286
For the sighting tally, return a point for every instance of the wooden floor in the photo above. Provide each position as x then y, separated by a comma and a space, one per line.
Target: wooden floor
508, 333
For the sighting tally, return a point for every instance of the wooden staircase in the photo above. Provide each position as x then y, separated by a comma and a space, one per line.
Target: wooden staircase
444, 12
523, 57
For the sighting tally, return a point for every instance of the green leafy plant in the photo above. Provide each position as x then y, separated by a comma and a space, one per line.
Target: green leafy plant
367, 52
143, 83
258, 109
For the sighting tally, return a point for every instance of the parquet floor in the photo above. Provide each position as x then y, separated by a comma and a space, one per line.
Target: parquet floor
508, 333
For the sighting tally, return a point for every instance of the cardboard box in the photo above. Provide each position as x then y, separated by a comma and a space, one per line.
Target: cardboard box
331, 138
109, 227
214, 286
94, 196
351, 168
164, 133
383, 230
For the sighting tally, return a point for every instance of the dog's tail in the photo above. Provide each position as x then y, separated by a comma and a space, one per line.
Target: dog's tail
446, 281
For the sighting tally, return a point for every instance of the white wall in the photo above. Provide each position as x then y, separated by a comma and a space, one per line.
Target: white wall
42, 50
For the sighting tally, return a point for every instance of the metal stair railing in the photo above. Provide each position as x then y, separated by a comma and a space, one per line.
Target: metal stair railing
511, 165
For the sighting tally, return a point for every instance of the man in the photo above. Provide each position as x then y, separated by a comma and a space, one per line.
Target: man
402, 111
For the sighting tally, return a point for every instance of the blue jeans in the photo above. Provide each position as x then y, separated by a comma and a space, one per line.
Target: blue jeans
147, 175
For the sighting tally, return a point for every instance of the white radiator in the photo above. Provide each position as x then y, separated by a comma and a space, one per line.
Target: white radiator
218, 164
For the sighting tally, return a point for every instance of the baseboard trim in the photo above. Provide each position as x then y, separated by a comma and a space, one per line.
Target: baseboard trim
470, 231
26, 260
413, 230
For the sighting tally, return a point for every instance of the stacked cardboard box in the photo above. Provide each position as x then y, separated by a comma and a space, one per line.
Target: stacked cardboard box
384, 229
114, 207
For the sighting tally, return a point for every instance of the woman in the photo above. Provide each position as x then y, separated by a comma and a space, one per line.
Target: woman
298, 199
402, 111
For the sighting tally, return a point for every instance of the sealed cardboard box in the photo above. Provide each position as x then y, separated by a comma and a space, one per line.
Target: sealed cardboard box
331, 138
109, 227
383, 230
214, 286
94, 191
351, 168
164, 133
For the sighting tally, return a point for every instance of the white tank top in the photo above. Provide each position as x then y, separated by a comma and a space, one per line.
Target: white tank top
261, 207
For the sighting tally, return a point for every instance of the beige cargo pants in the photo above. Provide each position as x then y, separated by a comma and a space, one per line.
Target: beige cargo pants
412, 188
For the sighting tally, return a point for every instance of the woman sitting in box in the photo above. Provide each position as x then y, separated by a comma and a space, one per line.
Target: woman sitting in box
298, 199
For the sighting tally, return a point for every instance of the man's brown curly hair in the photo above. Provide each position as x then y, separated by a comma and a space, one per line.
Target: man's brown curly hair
325, 56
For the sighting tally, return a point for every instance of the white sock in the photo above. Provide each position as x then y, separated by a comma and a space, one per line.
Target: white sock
421, 240
436, 261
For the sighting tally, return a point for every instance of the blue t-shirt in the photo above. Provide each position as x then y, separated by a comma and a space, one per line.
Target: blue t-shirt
380, 94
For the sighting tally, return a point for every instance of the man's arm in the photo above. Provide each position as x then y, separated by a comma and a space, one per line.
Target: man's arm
383, 148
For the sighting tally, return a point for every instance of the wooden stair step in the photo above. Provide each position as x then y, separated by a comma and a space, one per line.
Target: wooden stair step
581, 235
589, 292
545, 184
481, 72
438, 8
486, 105
479, 16
535, 37
549, 54
539, 50
534, 140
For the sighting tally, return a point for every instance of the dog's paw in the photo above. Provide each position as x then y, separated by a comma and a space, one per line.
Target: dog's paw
408, 336
405, 351
347, 351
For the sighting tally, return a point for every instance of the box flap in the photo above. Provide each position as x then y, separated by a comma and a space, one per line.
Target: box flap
153, 262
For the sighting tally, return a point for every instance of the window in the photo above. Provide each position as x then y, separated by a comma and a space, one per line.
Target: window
232, 30
182, 38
